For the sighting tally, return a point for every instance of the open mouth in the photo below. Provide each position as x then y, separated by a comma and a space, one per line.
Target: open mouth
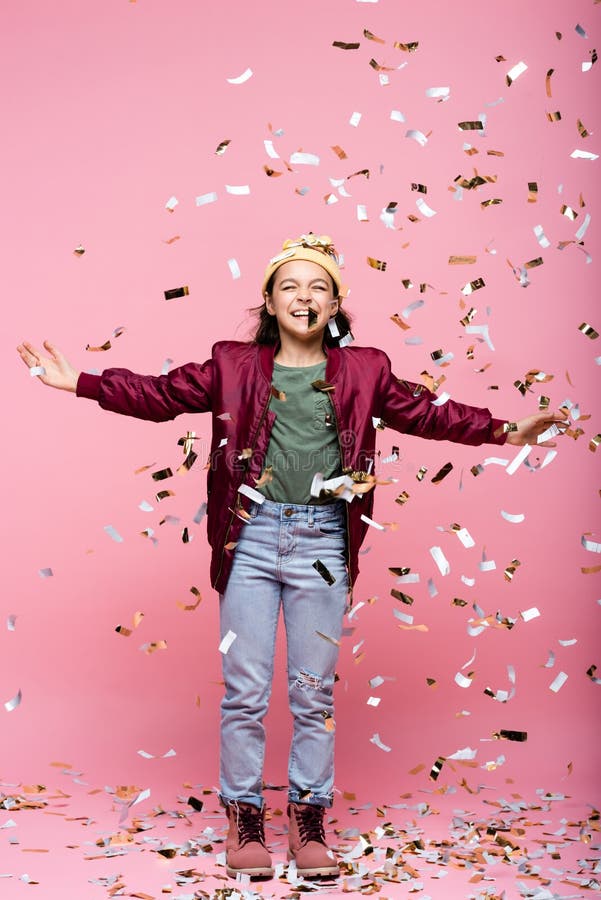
308, 314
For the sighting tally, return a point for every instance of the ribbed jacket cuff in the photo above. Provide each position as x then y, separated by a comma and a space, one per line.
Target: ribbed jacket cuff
88, 386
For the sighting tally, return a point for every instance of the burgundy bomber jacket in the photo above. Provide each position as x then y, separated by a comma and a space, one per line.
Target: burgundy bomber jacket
237, 380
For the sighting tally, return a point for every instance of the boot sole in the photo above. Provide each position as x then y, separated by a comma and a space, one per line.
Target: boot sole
264, 872
319, 872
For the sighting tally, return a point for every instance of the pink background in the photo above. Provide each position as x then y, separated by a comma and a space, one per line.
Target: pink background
115, 107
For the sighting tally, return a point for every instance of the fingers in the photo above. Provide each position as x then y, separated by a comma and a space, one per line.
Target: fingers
29, 354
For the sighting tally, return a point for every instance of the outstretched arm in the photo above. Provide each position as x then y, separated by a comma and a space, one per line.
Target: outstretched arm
58, 372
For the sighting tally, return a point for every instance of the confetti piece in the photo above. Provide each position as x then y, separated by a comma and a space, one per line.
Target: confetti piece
439, 93
440, 560
513, 517
424, 208
462, 260
558, 682
234, 268
588, 331
227, 642
174, 293
583, 154
153, 646
37, 370
307, 159
326, 637
397, 116
171, 203
515, 72
222, 147
374, 701
541, 236
15, 701
376, 264
240, 79
373, 524
237, 190
113, 533
591, 674
344, 46
529, 614
375, 739
417, 136
10, 622
203, 199
442, 473
161, 474
324, 572
518, 459
79, 250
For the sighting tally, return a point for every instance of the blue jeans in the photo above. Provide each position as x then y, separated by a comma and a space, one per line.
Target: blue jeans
273, 567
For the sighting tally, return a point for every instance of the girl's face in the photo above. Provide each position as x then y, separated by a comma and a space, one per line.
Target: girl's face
302, 299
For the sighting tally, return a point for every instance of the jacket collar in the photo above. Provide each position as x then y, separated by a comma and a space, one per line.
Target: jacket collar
267, 353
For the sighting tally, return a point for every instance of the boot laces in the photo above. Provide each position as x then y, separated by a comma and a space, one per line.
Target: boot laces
250, 825
310, 823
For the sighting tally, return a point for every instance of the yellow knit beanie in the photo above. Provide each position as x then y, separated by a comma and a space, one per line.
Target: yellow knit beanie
312, 247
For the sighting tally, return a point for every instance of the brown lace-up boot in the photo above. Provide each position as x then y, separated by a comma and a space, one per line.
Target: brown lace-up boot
308, 841
246, 852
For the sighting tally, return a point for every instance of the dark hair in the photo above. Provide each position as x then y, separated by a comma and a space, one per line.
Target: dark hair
268, 332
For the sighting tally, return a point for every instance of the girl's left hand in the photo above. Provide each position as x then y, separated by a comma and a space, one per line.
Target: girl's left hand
529, 429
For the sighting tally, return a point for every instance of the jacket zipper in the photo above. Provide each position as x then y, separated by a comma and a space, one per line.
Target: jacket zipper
229, 527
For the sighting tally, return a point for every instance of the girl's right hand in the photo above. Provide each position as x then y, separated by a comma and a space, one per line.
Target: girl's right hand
59, 373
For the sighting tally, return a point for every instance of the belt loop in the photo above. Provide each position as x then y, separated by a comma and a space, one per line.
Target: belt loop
311, 518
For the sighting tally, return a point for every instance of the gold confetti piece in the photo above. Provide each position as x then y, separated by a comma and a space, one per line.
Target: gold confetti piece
591, 674
588, 331
404, 598
344, 46
172, 240
372, 37
272, 173
359, 172
554, 116
329, 722
421, 188
324, 572
189, 607
402, 498
411, 47
507, 735
327, 638
376, 264
568, 212
162, 474
476, 125
469, 316
339, 152
173, 293
532, 192
462, 260
442, 473
279, 395
222, 147
436, 768
421, 473
581, 129
594, 443
398, 320
107, 344
495, 153
79, 250
187, 464
510, 569
153, 646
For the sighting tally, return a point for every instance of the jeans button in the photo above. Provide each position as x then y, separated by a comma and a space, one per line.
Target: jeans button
288, 512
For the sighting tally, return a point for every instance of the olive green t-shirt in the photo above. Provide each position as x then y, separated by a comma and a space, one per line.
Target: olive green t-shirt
303, 438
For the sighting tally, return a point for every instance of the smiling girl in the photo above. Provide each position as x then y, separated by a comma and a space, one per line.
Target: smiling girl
290, 409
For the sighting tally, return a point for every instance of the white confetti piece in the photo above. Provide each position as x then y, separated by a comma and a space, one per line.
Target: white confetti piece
529, 614
472, 658
465, 537
432, 589
10, 622
405, 618
487, 565
417, 304
373, 524
583, 154
12, 704
470, 582
384, 79
145, 506
375, 739
558, 682
355, 119
591, 546
462, 681
237, 190
146, 755
234, 268
440, 559
37, 370
304, 159
550, 660
166, 366
355, 610
374, 701
442, 399
250, 492
541, 236
270, 150
480, 329
171, 203
582, 230
518, 459
513, 517
240, 79
376, 681
438, 92
416, 135
424, 208
362, 213
46, 573
113, 533
516, 71
495, 461
466, 753
397, 116
568, 643
203, 199
227, 642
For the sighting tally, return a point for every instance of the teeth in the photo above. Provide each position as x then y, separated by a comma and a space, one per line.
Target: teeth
301, 313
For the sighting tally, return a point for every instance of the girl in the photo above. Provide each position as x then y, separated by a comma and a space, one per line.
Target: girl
291, 409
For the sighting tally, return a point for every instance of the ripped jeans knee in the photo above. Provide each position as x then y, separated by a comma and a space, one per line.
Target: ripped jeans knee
306, 681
